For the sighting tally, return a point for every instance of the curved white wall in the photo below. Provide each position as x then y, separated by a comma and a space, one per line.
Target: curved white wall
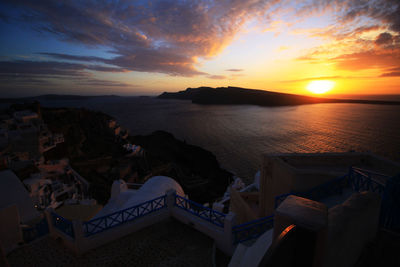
122, 198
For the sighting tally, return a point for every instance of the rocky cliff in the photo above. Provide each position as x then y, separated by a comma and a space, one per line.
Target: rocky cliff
96, 153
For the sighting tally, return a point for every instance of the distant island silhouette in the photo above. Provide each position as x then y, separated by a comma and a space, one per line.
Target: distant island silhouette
52, 97
242, 96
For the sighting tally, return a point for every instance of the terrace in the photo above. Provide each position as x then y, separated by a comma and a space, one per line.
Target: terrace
82, 237
169, 243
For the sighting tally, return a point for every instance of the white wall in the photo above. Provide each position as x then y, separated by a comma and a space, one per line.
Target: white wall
10, 231
81, 244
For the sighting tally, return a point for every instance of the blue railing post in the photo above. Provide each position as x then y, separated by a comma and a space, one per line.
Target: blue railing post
229, 237
390, 209
62, 224
79, 235
253, 229
170, 200
369, 182
356, 182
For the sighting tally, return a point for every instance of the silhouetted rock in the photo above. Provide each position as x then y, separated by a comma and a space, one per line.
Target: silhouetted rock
196, 169
241, 96
97, 154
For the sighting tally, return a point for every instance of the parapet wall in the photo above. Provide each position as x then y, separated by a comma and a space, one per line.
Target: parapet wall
80, 243
351, 226
279, 177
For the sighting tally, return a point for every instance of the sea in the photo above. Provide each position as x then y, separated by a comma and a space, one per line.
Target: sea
240, 134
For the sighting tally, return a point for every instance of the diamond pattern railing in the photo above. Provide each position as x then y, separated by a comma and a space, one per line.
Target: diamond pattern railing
119, 217
199, 210
363, 180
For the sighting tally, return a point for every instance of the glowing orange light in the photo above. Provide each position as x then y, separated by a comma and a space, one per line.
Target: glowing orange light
320, 86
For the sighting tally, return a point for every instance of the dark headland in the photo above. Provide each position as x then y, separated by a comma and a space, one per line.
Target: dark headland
242, 96
53, 97
94, 151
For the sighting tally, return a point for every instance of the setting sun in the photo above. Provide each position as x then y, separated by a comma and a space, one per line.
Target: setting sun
320, 86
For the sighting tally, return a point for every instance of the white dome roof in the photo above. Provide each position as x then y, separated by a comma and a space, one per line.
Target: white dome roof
155, 187
159, 185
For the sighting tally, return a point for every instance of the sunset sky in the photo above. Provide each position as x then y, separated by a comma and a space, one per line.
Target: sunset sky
147, 47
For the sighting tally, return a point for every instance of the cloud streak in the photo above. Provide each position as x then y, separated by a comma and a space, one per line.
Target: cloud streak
26, 67
216, 77
235, 70
147, 36
25, 73
394, 72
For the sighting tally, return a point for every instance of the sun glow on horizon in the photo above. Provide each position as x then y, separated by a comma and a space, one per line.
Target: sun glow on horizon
320, 86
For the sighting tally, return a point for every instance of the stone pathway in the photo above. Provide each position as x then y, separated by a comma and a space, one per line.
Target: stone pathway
169, 243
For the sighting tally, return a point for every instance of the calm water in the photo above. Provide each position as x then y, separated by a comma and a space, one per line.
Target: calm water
239, 135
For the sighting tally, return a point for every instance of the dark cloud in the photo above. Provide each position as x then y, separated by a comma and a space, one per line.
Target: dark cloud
23, 79
386, 11
216, 77
24, 67
364, 29
234, 70
350, 11
164, 36
140, 60
73, 57
87, 59
384, 38
161, 60
394, 69
42, 73
393, 72
103, 68
103, 83
379, 14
